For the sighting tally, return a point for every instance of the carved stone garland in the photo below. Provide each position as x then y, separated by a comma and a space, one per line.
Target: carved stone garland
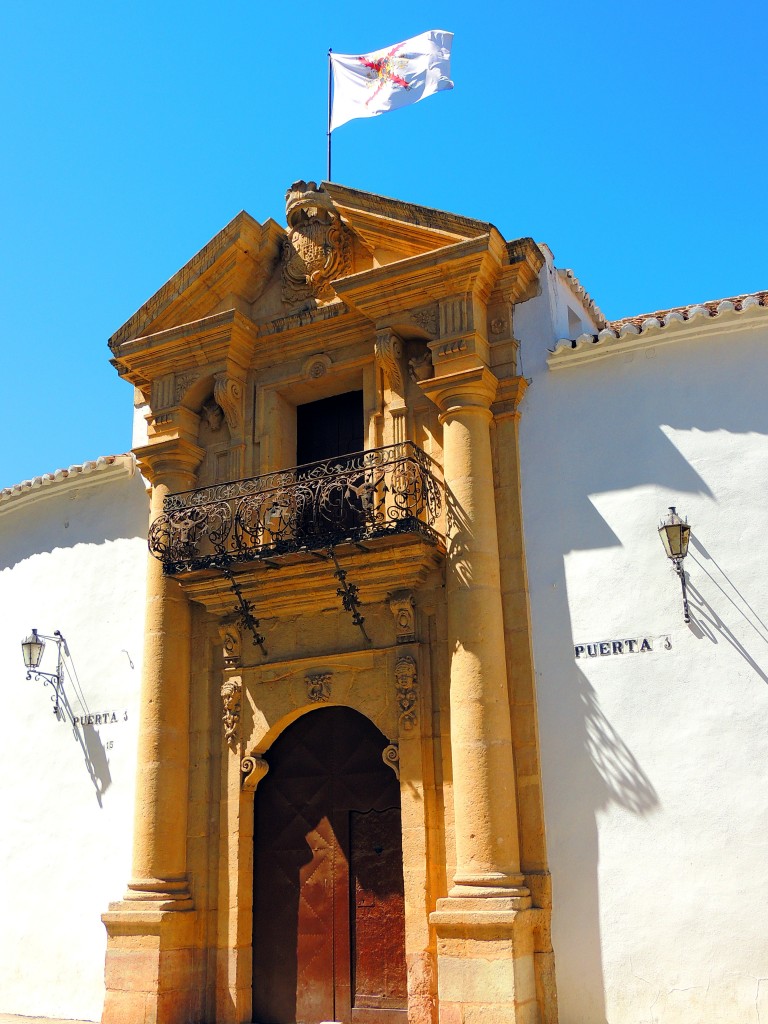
231, 694
407, 690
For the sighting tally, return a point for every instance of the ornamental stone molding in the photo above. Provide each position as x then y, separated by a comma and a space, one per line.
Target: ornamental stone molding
407, 690
402, 604
318, 248
231, 696
318, 687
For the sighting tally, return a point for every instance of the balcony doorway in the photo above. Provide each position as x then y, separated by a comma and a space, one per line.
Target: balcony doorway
328, 916
329, 427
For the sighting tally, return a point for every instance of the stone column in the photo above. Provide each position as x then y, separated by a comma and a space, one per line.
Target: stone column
150, 966
485, 946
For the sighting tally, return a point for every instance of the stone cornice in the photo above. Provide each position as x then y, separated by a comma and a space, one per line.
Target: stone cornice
692, 324
520, 278
471, 266
212, 341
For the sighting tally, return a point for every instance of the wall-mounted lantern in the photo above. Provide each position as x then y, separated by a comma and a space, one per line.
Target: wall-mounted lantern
32, 650
674, 533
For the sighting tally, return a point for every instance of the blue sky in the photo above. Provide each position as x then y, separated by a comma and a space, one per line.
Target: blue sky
629, 138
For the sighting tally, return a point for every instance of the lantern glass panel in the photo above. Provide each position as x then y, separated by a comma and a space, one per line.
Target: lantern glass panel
32, 648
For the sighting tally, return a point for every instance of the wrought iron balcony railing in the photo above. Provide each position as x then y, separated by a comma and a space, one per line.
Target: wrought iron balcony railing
352, 498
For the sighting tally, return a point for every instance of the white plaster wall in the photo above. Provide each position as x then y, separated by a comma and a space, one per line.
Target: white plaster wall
72, 559
655, 777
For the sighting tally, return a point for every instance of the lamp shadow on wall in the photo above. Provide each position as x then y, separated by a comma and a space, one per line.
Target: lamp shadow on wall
94, 755
706, 623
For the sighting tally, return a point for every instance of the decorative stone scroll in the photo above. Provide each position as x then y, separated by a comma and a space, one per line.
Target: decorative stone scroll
229, 392
253, 769
401, 604
390, 755
231, 693
318, 248
407, 690
389, 354
318, 687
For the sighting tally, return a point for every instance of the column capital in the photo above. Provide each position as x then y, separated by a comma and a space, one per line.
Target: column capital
472, 388
172, 460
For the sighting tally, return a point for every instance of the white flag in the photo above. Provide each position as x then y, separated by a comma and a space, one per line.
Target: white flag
372, 83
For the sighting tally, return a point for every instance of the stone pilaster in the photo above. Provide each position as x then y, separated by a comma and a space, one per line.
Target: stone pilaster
484, 926
151, 964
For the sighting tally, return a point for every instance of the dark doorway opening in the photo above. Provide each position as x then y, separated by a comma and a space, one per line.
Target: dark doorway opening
329, 917
329, 427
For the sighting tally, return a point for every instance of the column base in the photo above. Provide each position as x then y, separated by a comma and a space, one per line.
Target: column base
154, 970
485, 960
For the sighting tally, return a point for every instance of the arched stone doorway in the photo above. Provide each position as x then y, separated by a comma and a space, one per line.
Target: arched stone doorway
329, 932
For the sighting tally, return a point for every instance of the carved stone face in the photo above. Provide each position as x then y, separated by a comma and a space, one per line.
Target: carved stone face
405, 673
230, 696
212, 414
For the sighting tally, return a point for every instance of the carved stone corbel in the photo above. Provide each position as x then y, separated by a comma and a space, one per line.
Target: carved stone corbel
388, 349
253, 769
231, 695
231, 642
407, 690
229, 393
402, 604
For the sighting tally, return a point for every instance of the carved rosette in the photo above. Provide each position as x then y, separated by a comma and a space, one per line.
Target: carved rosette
182, 383
318, 248
318, 687
407, 690
231, 694
401, 604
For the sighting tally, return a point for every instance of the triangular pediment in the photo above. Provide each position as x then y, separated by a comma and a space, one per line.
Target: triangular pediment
240, 268
230, 272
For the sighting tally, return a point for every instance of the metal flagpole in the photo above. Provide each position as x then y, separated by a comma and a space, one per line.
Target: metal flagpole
330, 51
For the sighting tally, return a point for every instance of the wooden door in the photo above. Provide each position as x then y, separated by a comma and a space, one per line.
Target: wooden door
329, 933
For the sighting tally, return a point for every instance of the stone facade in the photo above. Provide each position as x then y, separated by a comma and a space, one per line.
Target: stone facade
394, 302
